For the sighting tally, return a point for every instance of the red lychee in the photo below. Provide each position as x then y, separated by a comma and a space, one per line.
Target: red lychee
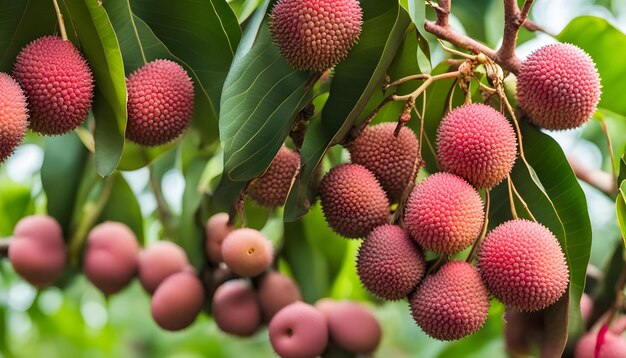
613, 346
247, 252
353, 328
271, 189
217, 228
235, 308
13, 116
177, 301
159, 261
276, 291
298, 331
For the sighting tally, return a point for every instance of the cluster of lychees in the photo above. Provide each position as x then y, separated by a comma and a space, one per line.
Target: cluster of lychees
51, 92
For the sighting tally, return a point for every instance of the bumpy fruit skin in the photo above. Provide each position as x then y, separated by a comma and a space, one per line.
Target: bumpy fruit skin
217, 228
353, 328
315, 34
235, 308
522, 264
444, 213
177, 301
477, 143
451, 304
160, 103
393, 160
57, 82
389, 263
558, 87
37, 252
247, 252
276, 291
13, 116
613, 346
271, 189
298, 331
353, 201
159, 261
111, 256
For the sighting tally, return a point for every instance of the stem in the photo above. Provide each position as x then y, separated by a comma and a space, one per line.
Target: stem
605, 129
518, 130
513, 21
165, 215
519, 197
511, 199
356, 131
425, 85
598, 179
483, 233
57, 9
437, 264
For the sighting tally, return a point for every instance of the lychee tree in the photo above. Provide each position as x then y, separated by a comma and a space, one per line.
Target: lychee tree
305, 178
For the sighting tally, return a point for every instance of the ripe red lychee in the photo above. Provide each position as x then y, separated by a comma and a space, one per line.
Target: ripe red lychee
276, 291
389, 263
271, 189
37, 252
393, 160
315, 34
177, 301
353, 328
353, 201
159, 261
522, 264
451, 304
111, 255
58, 83
558, 87
217, 228
235, 308
13, 116
613, 346
477, 143
298, 330
160, 103
247, 252
444, 213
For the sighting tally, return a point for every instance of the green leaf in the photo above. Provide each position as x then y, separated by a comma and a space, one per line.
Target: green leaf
15, 203
123, 207
100, 47
604, 43
622, 169
244, 8
620, 206
354, 82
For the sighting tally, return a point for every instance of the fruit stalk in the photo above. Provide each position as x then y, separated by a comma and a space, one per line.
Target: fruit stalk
60, 19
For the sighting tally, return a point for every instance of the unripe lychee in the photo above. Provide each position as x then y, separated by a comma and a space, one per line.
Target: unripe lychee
315, 34
558, 87
177, 301
235, 308
353, 201
393, 160
477, 143
111, 256
613, 346
37, 252
522, 264
247, 252
389, 263
217, 228
451, 304
159, 261
13, 116
160, 103
276, 291
444, 213
271, 189
353, 328
298, 331
57, 82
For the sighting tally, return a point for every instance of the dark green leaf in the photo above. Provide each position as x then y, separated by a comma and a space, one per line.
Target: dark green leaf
244, 8
123, 207
15, 203
620, 206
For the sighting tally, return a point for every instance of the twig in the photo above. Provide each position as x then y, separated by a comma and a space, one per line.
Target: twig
519, 197
511, 199
60, 20
513, 21
428, 82
483, 232
598, 179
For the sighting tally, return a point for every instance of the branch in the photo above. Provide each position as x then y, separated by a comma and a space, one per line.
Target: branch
598, 179
457, 39
513, 21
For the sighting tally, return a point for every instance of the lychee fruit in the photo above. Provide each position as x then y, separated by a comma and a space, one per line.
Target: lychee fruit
393, 160
586, 307
247, 252
315, 34
353, 201
613, 346
160, 103
271, 189
444, 213
111, 255
235, 308
389, 263
298, 331
276, 291
353, 328
523, 265
558, 87
13, 116
37, 252
159, 261
451, 304
477, 143
58, 83
217, 228
177, 301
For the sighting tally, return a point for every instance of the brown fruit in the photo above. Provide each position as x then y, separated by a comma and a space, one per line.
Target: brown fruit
177, 301
235, 308
247, 252
217, 228
158, 262
276, 291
